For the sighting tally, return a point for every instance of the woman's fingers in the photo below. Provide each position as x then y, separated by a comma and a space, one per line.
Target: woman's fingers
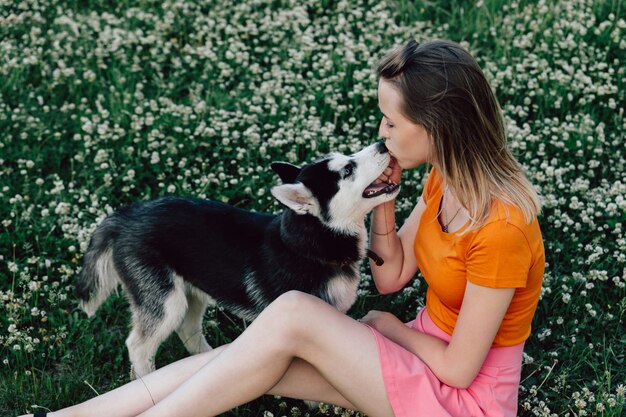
391, 173
396, 172
382, 178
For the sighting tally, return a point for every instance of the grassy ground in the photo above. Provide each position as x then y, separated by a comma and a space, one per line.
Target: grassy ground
103, 103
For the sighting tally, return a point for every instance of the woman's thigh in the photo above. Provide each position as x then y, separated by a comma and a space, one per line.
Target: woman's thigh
304, 382
343, 351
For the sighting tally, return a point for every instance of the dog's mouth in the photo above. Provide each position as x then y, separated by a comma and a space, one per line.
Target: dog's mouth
382, 188
374, 190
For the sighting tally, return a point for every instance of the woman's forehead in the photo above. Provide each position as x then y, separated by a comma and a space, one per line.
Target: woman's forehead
389, 99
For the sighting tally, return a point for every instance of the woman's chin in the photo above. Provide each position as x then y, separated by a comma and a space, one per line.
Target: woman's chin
406, 164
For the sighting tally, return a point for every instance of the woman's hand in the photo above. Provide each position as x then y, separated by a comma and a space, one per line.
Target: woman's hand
392, 173
381, 321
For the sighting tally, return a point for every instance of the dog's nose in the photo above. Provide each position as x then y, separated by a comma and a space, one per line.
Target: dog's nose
381, 148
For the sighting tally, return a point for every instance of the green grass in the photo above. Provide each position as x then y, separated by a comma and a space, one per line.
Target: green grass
105, 103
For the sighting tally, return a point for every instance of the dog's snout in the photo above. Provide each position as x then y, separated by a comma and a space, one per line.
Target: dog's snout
381, 148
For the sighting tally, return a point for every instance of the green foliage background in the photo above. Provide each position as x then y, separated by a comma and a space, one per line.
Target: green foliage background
103, 103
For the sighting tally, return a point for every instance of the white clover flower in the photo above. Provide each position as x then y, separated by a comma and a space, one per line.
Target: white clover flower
87, 125
101, 156
62, 208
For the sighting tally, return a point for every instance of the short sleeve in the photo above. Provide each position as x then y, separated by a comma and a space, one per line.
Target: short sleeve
499, 256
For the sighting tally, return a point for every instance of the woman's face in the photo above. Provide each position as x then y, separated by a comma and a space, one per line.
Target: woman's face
408, 142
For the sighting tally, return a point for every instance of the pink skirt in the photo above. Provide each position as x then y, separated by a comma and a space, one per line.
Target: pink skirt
414, 391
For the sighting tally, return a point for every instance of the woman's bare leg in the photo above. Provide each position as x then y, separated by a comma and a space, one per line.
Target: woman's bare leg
301, 380
138, 395
296, 325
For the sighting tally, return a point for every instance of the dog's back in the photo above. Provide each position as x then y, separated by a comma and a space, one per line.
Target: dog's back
141, 245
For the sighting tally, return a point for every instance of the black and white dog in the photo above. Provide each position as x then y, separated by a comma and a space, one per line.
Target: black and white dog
174, 256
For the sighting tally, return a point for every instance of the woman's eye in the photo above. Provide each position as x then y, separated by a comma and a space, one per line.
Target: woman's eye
389, 125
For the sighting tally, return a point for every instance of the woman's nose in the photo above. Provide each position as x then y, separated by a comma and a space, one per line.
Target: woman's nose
383, 132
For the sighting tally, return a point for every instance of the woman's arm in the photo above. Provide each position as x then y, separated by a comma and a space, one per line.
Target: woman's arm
395, 248
457, 363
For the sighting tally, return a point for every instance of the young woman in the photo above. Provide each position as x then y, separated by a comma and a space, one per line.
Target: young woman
473, 234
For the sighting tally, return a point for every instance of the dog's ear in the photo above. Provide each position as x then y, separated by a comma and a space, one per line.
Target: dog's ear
286, 171
297, 197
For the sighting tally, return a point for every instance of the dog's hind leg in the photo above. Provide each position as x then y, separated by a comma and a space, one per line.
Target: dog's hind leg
190, 330
153, 321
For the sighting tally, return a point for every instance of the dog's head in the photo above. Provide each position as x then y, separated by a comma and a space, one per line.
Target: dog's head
337, 189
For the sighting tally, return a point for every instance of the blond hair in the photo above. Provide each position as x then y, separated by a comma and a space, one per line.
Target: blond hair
444, 90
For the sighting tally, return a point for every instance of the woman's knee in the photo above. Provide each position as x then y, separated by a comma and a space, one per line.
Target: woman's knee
291, 310
294, 302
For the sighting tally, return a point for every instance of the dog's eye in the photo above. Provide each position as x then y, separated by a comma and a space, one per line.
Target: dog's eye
347, 171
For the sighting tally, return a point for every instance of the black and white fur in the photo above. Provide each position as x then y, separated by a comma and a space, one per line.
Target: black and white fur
174, 256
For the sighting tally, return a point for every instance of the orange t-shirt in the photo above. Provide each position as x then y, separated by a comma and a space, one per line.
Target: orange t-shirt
504, 253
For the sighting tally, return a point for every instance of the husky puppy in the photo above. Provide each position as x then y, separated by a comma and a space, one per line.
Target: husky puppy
174, 256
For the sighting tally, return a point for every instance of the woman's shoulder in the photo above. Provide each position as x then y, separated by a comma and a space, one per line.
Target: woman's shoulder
502, 212
508, 221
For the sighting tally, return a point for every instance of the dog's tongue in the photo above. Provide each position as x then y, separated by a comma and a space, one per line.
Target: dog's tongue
374, 190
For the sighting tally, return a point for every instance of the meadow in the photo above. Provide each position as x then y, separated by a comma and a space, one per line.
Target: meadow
104, 103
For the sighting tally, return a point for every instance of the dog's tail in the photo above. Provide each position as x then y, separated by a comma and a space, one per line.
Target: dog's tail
98, 276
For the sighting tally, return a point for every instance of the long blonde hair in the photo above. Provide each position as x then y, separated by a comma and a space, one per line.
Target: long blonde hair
444, 90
